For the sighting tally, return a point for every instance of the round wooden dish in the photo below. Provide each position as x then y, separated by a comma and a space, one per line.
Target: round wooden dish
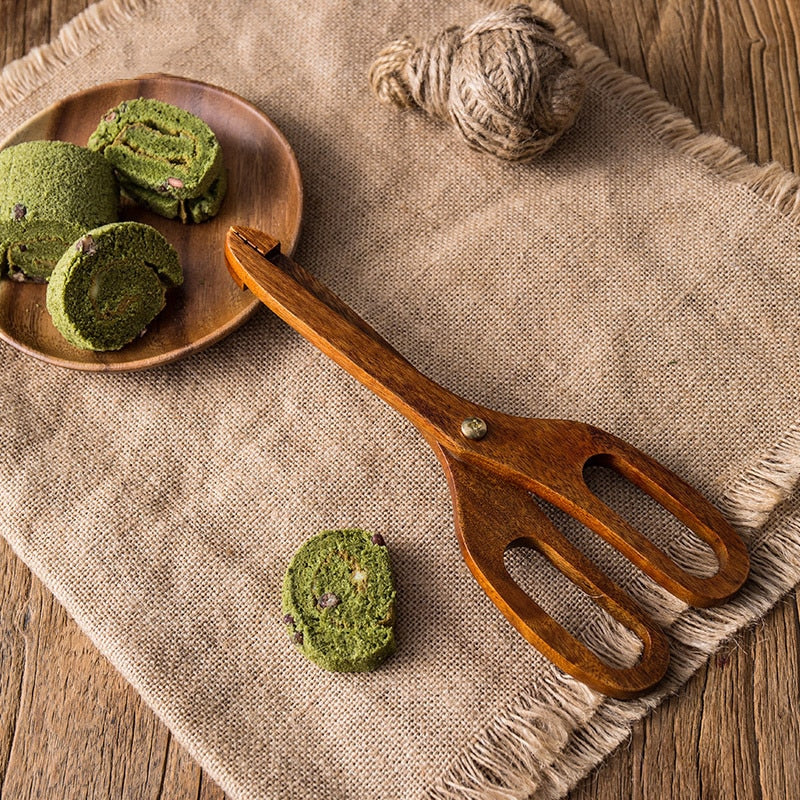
264, 191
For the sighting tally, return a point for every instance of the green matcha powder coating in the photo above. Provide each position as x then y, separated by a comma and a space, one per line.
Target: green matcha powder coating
30, 250
50, 192
195, 209
54, 180
338, 598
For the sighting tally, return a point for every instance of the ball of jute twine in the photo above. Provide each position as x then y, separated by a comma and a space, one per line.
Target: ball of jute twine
507, 82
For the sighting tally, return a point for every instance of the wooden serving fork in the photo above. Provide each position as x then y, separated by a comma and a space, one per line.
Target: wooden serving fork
495, 462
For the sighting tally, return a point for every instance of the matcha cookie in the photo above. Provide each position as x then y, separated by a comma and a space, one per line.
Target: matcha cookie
338, 600
50, 192
110, 284
165, 158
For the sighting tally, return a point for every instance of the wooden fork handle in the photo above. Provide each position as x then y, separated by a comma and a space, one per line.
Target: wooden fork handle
255, 261
270, 249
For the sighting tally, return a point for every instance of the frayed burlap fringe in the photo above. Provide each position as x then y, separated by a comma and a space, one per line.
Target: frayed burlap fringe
751, 499
19, 78
548, 740
772, 182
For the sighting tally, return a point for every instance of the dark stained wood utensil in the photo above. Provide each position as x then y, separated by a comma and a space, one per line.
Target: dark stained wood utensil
495, 462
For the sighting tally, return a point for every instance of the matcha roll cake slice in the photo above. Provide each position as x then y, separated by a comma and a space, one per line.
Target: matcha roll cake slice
110, 284
165, 157
195, 209
50, 192
29, 251
338, 600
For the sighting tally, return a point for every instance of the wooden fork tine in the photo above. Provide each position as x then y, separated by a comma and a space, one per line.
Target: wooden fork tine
548, 458
482, 504
679, 499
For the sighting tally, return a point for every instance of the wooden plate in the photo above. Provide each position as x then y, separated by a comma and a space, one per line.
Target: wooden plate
264, 191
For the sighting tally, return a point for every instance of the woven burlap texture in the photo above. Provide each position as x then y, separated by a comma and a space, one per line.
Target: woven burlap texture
638, 277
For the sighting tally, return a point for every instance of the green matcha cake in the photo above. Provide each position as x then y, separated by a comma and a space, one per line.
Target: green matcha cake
165, 158
110, 284
338, 600
29, 251
196, 209
50, 192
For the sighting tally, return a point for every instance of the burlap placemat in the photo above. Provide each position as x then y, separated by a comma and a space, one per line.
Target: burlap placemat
638, 278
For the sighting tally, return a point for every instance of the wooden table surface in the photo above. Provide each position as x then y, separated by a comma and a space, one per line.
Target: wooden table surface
70, 727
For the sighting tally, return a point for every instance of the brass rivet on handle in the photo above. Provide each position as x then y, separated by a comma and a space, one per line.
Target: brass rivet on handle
474, 428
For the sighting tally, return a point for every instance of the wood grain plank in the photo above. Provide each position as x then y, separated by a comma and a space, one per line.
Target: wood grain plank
12, 31
729, 764
15, 582
734, 731
776, 700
